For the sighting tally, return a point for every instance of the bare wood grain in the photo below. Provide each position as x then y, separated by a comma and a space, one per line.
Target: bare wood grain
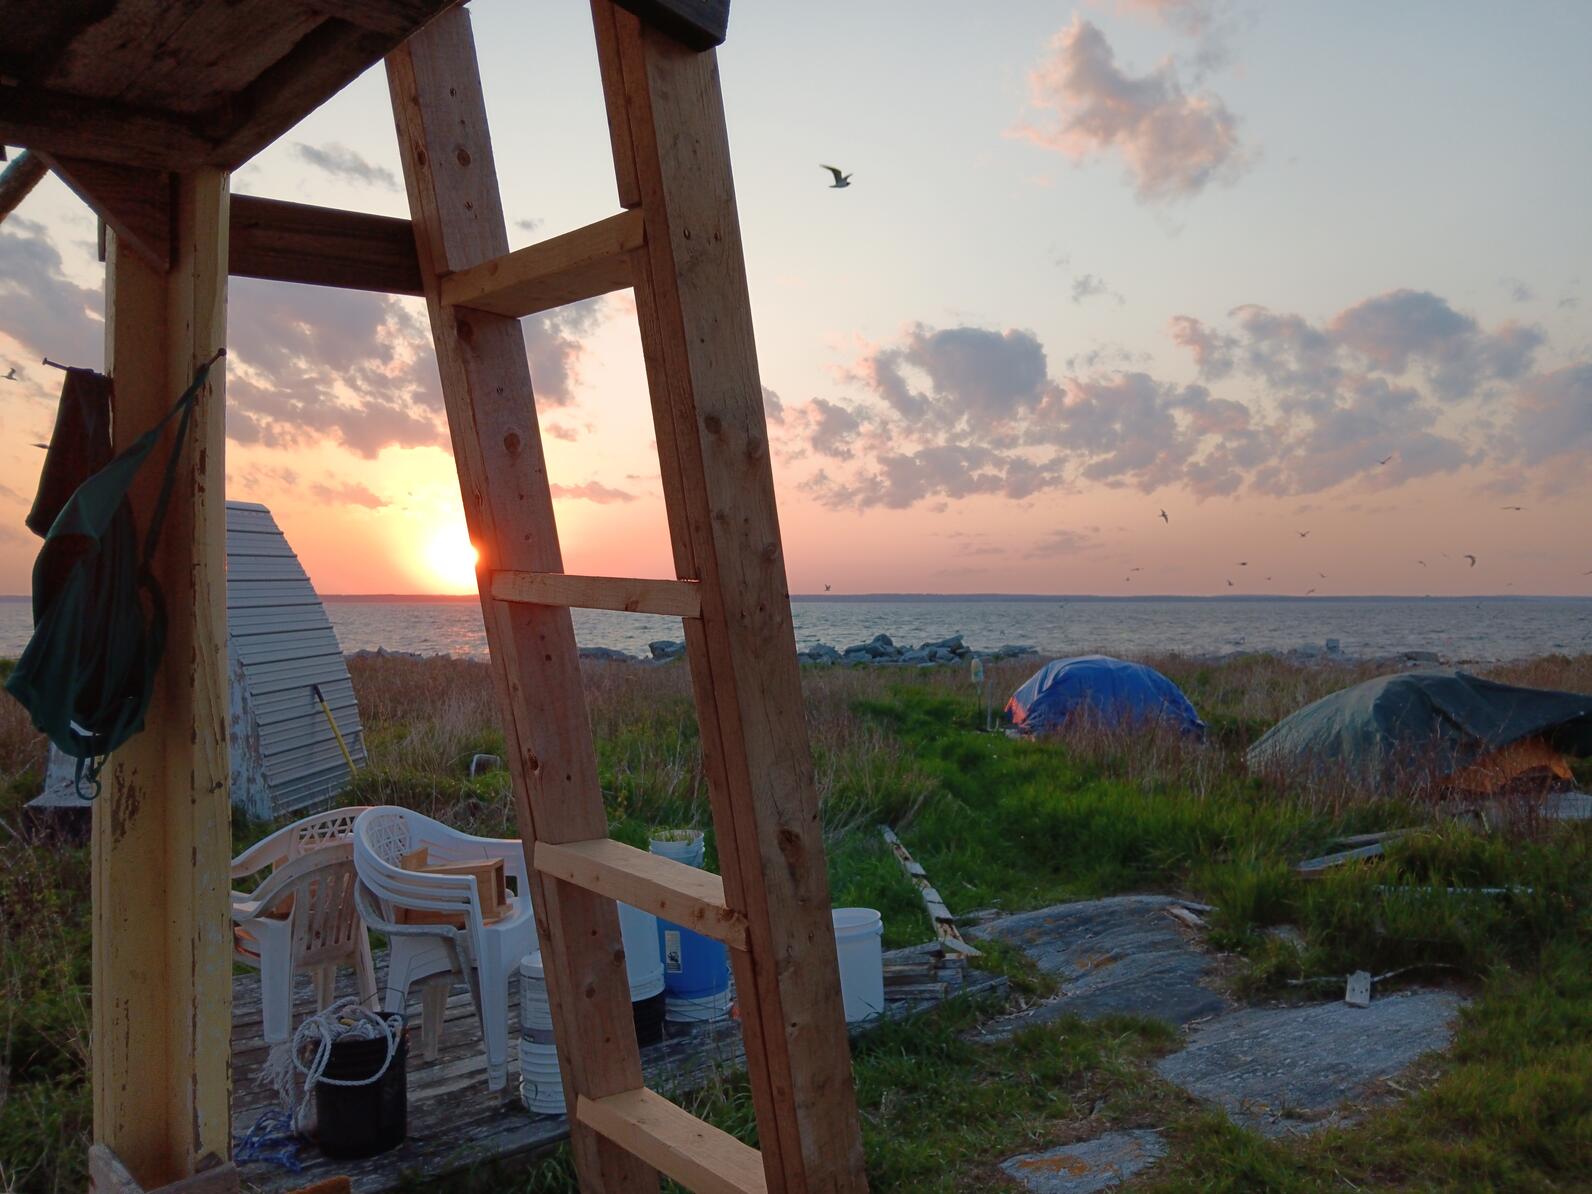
322, 246
458, 216
162, 947
577, 265
671, 598
698, 343
685, 895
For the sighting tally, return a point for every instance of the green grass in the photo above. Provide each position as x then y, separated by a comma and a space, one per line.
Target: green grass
1001, 824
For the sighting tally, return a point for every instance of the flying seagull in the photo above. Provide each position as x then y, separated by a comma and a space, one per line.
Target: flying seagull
841, 180
1471, 558
1385, 459
1511, 507
1243, 563
1229, 584
1165, 519
1308, 592
1422, 563
828, 587
12, 374
1303, 534
1322, 575
1135, 569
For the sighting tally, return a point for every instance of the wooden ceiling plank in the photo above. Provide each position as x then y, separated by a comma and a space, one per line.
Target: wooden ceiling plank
76, 126
316, 69
135, 202
396, 18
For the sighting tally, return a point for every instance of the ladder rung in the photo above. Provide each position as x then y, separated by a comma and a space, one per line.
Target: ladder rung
696, 1154
676, 598
565, 269
668, 889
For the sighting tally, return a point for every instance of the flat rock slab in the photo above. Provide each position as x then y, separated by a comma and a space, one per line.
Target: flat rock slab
1096, 1164
1123, 955
1289, 1070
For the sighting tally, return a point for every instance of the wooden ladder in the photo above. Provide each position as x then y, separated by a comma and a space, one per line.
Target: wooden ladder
677, 242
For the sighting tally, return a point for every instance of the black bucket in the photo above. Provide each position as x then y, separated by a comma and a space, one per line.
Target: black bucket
648, 1014
361, 1121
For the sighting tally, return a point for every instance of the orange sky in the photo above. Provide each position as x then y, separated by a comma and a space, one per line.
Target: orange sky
1093, 264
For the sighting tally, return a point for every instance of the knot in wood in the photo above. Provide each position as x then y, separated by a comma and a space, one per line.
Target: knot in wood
790, 846
532, 763
463, 155
511, 443
713, 424
770, 552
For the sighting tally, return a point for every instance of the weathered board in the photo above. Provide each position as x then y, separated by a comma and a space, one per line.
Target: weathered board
454, 1122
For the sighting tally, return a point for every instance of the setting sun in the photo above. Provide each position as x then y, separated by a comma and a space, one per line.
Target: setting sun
451, 557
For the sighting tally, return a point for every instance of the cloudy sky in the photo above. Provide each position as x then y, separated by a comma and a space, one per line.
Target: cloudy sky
1315, 280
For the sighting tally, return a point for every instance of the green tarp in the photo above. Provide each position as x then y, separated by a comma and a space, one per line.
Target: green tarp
1420, 723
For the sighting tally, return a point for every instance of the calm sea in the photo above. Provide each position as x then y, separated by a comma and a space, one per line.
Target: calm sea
1456, 628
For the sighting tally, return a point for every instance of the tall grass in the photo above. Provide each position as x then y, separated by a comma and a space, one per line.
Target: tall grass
998, 823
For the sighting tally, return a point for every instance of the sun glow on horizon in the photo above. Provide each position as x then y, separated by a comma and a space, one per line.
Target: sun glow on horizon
451, 559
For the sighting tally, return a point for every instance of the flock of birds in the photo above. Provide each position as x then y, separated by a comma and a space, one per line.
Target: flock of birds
843, 180
1468, 556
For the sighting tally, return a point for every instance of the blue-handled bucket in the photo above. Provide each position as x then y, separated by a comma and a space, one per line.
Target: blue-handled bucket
696, 969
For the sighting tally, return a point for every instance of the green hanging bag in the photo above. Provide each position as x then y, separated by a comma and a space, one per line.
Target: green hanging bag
99, 617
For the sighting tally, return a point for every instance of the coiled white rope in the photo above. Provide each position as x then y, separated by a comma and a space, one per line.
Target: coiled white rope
345, 1020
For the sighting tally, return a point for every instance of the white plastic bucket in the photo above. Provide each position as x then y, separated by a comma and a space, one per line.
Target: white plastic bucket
541, 1089
682, 845
685, 1009
535, 1012
859, 934
644, 963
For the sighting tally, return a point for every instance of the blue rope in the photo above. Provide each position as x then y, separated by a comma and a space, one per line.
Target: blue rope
273, 1140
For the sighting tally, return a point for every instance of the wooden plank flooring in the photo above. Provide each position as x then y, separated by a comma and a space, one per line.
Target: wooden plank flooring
455, 1122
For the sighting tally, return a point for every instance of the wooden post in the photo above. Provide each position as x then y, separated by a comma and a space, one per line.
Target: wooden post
672, 159
162, 954
508, 507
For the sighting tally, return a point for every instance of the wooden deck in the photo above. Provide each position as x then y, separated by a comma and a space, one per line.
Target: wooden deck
455, 1122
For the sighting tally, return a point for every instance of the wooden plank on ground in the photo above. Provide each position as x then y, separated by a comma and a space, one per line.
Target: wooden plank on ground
1313, 868
454, 1123
322, 246
712, 435
458, 219
940, 917
676, 598
162, 942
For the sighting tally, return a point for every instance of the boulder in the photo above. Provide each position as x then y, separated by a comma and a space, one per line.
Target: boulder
666, 649
917, 655
823, 653
607, 653
953, 644
1421, 657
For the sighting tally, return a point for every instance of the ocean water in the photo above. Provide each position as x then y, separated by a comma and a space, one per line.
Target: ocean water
1487, 628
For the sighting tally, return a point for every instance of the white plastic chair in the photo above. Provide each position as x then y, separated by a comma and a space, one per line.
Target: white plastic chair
287, 843
483, 954
303, 917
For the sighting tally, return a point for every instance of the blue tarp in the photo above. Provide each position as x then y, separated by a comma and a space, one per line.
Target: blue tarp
1115, 692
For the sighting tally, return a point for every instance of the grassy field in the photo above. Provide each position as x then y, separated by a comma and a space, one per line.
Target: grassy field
999, 824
